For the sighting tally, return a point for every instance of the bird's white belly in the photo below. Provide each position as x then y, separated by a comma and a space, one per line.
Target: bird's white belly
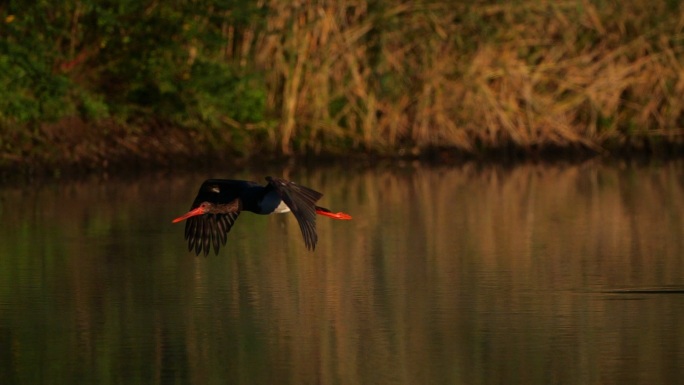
281, 209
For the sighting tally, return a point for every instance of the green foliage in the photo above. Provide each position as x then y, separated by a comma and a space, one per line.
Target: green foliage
350, 74
216, 90
128, 58
31, 91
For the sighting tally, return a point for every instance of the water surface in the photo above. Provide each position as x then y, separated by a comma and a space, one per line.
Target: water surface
475, 274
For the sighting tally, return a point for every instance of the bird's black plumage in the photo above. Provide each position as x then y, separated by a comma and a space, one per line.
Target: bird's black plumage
302, 202
221, 202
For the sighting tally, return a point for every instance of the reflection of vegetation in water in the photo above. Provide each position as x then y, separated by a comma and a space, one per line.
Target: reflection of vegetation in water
348, 75
443, 275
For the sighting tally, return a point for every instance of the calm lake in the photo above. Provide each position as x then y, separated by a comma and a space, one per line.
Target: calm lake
473, 274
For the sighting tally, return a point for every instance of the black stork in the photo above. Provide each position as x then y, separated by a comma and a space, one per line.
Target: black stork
220, 201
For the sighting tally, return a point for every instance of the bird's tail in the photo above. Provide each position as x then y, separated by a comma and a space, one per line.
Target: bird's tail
327, 213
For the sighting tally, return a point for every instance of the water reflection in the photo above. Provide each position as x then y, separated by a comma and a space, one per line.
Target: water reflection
472, 275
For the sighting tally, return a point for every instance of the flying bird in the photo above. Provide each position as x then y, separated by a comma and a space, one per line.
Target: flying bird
219, 202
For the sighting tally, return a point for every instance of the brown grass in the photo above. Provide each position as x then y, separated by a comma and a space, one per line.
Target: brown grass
410, 75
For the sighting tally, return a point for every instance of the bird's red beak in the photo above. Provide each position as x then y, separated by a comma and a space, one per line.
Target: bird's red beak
198, 211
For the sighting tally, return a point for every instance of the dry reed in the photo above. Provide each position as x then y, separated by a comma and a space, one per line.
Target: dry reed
404, 76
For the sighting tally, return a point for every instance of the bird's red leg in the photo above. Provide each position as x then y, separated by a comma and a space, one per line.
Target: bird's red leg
327, 213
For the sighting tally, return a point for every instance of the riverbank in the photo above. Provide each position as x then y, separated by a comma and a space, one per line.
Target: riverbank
91, 87
73, 150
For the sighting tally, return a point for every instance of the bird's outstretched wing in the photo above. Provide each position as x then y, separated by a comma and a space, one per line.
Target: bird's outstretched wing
211, 229
302, 202
204, 231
